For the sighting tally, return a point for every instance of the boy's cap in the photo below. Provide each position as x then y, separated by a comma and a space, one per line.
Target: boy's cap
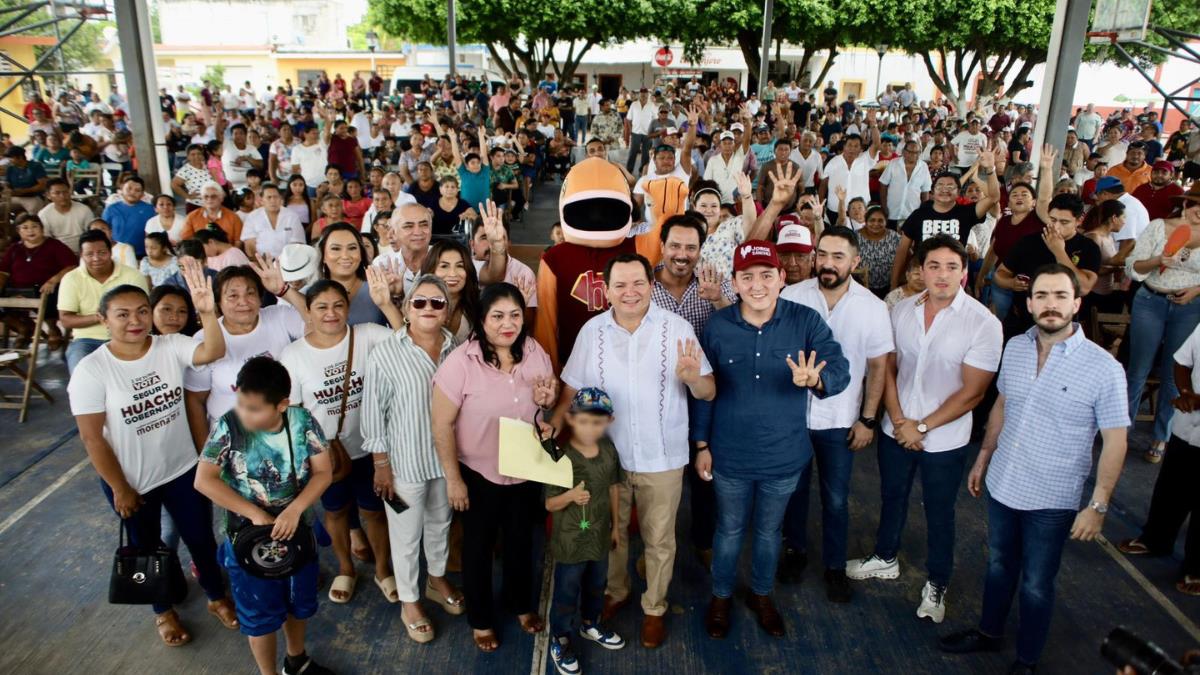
592, 400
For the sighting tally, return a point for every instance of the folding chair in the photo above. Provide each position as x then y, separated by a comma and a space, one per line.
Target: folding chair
10, 359
1108, 330
87, 186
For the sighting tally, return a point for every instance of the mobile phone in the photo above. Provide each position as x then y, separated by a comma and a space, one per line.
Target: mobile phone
396, 504
1023, 278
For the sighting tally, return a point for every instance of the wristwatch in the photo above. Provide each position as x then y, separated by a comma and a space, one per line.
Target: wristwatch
1099, 507
868, 422
922, 427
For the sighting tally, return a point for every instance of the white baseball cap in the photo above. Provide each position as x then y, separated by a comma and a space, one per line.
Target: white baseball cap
794, 237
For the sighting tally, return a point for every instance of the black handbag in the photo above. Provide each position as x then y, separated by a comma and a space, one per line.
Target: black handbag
255, 550
145, 575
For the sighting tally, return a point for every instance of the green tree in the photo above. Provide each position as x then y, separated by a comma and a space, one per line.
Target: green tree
215, 74
81, 52
528, 31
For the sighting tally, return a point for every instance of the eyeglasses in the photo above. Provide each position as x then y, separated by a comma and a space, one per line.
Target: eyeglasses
420, 302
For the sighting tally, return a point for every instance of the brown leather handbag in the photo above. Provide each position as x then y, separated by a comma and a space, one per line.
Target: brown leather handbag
339, 458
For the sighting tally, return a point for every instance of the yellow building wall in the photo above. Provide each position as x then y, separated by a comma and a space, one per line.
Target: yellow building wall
15, 101
290, 68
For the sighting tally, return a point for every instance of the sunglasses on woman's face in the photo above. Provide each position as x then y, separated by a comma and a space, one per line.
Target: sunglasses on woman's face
420, 302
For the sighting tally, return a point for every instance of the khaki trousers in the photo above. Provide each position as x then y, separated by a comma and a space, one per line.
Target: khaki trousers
657, 497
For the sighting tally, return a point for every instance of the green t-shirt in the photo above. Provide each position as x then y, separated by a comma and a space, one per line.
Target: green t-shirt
257, 465
583, 533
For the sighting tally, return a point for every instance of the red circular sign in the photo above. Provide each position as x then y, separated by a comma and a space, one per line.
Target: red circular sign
663, 57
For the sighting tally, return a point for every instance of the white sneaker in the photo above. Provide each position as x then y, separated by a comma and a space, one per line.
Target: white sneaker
872, 567
933, 602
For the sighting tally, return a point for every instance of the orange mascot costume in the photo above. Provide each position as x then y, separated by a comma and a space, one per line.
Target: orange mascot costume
595, 210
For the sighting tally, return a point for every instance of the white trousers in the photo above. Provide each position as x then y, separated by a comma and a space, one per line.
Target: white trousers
428, 517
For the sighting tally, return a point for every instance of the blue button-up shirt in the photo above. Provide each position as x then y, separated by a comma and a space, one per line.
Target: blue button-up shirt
1051, 419
757, 425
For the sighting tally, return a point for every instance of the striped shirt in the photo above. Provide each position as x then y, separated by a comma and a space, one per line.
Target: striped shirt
396, 406
1050, 420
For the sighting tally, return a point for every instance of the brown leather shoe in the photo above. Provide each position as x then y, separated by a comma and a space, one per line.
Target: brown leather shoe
611, 607
654, 631
768, 617
716, 621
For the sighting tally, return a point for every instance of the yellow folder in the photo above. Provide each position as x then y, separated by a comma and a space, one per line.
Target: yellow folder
522, 456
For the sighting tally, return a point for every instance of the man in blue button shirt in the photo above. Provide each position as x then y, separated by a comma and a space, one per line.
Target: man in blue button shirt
128, 217
753, 441
1057, 388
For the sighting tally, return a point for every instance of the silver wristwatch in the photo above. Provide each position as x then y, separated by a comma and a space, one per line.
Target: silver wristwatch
1099, 507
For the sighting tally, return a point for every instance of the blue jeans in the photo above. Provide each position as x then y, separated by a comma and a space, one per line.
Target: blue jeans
1156, 321
1001, 298
192, 514
739, 501
581, 127
79, 348
834, 459
577, 584
941, 475
1025, 546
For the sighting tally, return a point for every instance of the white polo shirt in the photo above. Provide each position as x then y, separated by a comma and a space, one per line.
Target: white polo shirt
904, 191
861, 325
640, 116
855, 179
650, 404
1186, 426
1137, 218
929, 363
288, 230
810, 167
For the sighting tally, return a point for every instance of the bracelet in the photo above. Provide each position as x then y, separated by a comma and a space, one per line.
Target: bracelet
383, 463
283, 291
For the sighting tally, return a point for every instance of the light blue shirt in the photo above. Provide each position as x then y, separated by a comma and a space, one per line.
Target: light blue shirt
1051, 418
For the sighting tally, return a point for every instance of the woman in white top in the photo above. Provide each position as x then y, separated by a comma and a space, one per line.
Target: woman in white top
296, 200
166, 219
192, 176
1164, 311
271, 227
127, 398
326, 385
250, 330
397, 430
450, 261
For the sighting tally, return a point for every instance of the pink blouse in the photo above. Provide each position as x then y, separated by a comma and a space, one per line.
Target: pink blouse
484, 394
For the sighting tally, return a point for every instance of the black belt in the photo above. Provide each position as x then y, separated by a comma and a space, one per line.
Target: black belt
1164, 294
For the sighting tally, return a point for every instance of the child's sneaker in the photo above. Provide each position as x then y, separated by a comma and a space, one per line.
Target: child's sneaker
605, 638
307, 667
562, 656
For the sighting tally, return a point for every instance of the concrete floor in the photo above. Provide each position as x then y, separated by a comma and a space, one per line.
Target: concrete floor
57, 535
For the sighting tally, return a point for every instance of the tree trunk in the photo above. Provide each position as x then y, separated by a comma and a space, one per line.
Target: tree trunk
498, 61
750, 42
571, 65
833, 52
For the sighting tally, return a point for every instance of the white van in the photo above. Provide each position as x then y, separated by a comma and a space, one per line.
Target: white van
411, 76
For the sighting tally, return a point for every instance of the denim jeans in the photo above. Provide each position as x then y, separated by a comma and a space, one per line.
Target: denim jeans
941, 475
192, 513
834, 460
1001, 298
1156, 321
1025, 546
581, 127
577, 586
79, 348
742, 503
639, 146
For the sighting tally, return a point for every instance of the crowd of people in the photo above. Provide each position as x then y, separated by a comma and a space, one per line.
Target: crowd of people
322, 307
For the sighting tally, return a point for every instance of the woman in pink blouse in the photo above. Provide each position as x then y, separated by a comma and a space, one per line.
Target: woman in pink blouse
499, 372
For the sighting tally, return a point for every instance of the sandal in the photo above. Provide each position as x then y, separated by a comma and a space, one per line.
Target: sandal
532, 626
453, 604
344, 584
1155, 454
486, 641
388, 588
1189, 585
171, 630
1133, 547
421, 630
224, 611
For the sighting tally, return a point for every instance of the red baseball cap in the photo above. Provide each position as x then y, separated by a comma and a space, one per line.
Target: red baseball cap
1163, 165
755, 252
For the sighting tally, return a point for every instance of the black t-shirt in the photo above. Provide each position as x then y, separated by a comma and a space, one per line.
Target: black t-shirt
1028, 255
926, 222
427, 198
801, 109
444, 221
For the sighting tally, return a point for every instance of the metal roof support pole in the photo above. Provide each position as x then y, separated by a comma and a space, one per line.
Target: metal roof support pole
1062, 71
141, 91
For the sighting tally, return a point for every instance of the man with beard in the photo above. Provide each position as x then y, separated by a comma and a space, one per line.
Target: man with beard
1159, 195
838, 426
768, 357
1035, 458
1060, 242
947, 351
679, 289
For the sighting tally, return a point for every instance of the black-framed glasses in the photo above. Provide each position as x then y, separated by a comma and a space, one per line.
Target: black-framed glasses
420, 302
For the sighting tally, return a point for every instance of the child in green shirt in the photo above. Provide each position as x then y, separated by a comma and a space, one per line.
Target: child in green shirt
267, 462
583, 529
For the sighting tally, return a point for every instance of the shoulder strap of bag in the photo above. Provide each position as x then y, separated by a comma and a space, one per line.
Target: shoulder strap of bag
287, 432
346, 385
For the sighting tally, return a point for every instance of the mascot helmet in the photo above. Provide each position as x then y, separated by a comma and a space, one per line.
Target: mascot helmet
595, 207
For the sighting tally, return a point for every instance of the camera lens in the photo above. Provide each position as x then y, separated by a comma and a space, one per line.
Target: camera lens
1122, 648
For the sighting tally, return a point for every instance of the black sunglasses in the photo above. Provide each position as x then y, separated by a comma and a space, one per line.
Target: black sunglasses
419, 302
